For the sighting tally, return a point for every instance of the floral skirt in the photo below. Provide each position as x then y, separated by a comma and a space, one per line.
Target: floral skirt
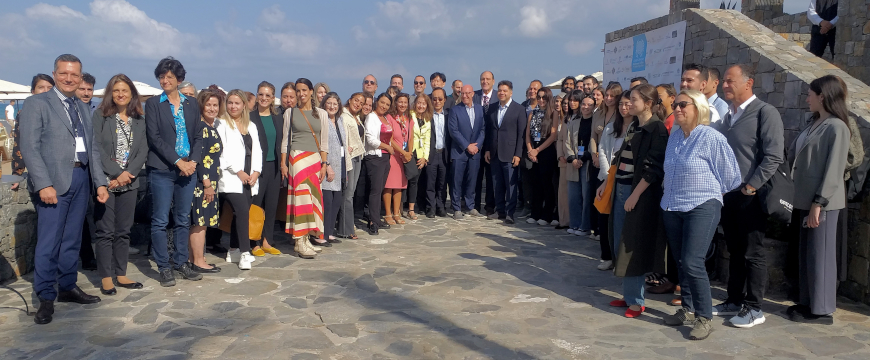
204, 213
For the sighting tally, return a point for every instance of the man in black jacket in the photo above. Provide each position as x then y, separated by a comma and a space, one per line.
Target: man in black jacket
505, 128
439, 156
823, 15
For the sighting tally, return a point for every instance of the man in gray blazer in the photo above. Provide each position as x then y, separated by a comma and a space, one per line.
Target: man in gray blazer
63, 160
755, 132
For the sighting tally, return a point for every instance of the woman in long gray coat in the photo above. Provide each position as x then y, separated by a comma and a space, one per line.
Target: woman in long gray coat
119, 126
818, 159
637, 234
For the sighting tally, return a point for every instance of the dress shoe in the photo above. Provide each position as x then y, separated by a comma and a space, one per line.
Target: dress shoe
214, 269
76, 295
334, 241
372, 229
676, 302
109, 292
133, 286
441, 213
509, 220
89, 265
46, 310
321, 244
430, 214
629, 313
167, 278
666, 287
187, 273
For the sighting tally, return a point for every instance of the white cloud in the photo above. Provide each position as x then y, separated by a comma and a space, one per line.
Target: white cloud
305, 46
272, 16
410, 20
534, 22
578, 47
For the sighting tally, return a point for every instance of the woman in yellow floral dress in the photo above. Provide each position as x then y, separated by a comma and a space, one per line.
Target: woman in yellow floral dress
205, 211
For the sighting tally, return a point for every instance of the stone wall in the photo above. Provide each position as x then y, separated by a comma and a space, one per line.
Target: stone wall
719, 38
852, 47
17, 232
760, 10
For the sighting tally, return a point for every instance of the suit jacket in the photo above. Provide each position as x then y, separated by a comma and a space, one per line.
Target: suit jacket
743, 136
105, 130
478, 97
278, 122
461, 132
818, 166
160, 129
506, 141
447, 142
48, 145
452, 101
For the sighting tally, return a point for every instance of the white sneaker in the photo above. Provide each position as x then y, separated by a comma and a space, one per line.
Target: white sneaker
581, 233
542, 222
245, 261
595, 237
554, 223
132, 251
571, 231
531, 221
605, 265
234, 255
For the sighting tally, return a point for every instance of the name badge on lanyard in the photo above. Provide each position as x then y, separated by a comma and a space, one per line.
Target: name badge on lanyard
80, 144
581, 150
537, 135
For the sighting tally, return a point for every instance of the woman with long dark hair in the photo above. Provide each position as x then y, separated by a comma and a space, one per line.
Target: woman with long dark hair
270, 128
119, 125
610, 142
638, 237
355, 132
403, 141
541, 137
361, 195
306, 144
818, 158
40, 84
579, 165
205, 213
379, 150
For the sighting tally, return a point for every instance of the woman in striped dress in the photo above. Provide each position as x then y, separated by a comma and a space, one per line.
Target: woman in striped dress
306, 132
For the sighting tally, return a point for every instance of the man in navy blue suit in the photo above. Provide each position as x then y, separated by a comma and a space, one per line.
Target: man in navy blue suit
505, 128
466, 126
488, 99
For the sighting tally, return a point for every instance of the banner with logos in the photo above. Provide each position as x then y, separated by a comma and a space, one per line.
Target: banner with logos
656, 55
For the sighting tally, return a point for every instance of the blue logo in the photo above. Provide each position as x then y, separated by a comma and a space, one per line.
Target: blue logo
638, 60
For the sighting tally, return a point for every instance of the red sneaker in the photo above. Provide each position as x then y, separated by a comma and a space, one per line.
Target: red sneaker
629, 313
619, 303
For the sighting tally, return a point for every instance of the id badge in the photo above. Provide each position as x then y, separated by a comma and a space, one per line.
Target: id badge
581, 150
126, 156
80, 144
342, 150
405, 145
537, 136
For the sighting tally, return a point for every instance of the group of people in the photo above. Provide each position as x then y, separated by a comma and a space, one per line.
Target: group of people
664, 170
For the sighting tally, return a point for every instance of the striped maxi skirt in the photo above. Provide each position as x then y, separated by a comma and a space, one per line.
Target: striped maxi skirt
304, 198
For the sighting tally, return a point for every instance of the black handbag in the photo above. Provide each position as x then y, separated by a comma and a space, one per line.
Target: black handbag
411, 170
777, 194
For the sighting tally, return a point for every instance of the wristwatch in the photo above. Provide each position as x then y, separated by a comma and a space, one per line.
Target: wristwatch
324, 163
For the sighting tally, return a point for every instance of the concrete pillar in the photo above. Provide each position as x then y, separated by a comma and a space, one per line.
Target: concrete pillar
680, 5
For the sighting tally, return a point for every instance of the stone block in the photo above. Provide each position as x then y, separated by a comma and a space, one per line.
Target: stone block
792, 119
859, 240
765, 65
849, 48
859, 270
776, 99
767, 82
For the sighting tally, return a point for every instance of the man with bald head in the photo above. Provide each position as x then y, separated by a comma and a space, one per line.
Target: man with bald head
465, 123
486, 96
370, 85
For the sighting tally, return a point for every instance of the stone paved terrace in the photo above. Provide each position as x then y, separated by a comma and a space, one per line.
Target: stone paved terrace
430, 290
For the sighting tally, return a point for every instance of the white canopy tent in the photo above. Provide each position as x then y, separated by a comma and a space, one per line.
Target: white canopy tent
558, 83
13, 91
143, 89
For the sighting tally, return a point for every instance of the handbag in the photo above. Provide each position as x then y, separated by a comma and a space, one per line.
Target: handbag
777, 194
605, 204
256, 218
411, 170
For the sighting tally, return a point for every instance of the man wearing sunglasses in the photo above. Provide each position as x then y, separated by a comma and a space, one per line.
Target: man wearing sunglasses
419, 89
370, 85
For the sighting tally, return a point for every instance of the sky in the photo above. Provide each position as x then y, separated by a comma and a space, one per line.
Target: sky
237, 44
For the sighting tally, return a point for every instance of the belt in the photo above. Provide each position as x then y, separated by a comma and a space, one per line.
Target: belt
438, 151
78, 164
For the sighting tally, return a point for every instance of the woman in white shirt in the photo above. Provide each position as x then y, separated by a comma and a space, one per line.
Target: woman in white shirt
241, 164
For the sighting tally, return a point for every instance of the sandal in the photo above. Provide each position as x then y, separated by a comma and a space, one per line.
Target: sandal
412, 215
389, 220
398, 219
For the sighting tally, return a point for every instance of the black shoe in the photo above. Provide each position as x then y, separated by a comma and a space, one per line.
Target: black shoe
372, 229
46, 310
321, 244
334, 241
441, 213
509, 220
383, 225
187, 273
430, 214
109, 292
797, 310
89, 265
167, 278
76, 295
561, 227
133, 286
214, 269
810, 318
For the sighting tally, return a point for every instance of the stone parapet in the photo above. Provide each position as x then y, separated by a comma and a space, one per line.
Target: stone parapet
17, 232
761, 11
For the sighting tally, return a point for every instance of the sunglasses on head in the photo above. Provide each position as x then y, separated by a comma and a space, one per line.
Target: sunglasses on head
369, 82
419, 83
681, 105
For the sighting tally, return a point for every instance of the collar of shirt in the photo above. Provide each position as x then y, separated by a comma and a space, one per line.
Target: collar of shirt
164, 97
712, 98
742, 106
62, 97
488, 95
510, 100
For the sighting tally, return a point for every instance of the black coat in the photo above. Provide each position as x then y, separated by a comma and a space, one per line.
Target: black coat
506, 141
160, 130
278, 122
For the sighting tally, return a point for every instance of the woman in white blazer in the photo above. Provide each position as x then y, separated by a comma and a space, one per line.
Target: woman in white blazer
241, 163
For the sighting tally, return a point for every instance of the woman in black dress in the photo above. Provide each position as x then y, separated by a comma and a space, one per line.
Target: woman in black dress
205, 211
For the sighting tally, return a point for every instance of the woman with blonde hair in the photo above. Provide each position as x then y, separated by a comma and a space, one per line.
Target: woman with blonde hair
320, 90
306, 145
421, 118
241, 162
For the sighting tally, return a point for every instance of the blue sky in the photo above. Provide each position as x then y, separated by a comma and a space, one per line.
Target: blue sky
237, 44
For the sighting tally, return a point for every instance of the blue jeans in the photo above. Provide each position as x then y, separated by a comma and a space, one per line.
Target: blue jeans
689, 236
632, 286
170, 190
580, 195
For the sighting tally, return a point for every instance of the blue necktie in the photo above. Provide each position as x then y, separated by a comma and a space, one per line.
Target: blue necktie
79, 127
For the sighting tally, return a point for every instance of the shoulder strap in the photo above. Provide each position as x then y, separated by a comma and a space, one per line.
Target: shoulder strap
316, 142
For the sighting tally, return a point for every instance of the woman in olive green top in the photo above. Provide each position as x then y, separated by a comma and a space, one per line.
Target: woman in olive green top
270, 127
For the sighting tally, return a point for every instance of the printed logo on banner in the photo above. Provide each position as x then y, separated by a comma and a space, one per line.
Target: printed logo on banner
638, 61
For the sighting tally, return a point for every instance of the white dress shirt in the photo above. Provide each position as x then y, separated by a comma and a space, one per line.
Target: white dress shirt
503, 109
814, 17
438, 121
737, 112
470, 112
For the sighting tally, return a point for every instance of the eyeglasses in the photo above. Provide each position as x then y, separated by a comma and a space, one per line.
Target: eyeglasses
370, 82
437, 99
681, 105
419, 83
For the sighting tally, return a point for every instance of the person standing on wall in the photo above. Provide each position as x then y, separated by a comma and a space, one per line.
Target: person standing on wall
823, 15
57, 142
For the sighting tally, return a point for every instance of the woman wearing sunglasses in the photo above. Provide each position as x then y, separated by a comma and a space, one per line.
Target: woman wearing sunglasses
699, 167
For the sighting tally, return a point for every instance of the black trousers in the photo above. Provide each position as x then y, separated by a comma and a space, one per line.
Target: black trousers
360, 196
484, 173
113, 221
436, 184
376, 178
413, 186
595, 215
241, 204
543, 197
267, 198
332, 201
604, 233
819, 41
744, 223
86, 252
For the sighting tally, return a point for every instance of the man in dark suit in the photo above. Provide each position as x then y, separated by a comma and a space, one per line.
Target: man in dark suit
505, 129
63, 159
455, 98
439, 151
174, 132
466, 127
487, 98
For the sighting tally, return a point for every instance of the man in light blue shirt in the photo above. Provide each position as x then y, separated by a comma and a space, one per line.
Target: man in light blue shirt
713, 98
436, 169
